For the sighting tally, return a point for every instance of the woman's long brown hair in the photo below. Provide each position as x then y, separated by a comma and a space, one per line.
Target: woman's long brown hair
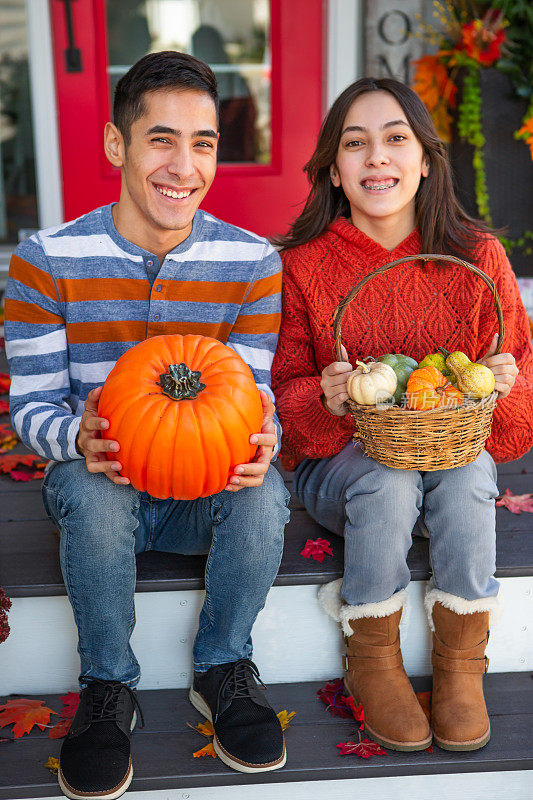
443, 225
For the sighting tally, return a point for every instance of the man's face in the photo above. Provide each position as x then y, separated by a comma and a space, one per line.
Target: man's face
170, 162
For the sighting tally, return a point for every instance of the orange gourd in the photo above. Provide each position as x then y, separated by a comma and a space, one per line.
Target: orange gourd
428, 388
183, 409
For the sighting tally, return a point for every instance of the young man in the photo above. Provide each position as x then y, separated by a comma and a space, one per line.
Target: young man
78, 297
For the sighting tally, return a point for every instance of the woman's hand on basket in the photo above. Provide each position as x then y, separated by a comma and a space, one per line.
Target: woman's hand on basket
503, 366
333, 384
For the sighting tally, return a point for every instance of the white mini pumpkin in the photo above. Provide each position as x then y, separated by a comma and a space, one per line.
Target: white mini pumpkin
371, 383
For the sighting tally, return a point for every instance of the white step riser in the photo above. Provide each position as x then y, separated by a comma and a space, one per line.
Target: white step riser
515, 785
293, 638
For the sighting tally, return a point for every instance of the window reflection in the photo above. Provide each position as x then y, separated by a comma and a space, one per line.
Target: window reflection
232, 37
18, 198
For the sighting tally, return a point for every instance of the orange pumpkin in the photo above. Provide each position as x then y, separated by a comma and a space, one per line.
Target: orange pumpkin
183, 409
428, 388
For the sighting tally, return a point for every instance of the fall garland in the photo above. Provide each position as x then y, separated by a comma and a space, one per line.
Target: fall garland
470, 41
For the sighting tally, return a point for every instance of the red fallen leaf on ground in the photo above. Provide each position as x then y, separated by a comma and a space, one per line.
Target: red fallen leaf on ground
357, 711
5, 605
516, 503
8, 438
13, 460
429, 749
363, 749
4, 406
71, 702
25, 713
332, 694
60, 729
424, 698
2, 343
208, 750
316, 549
21, 475
5, 382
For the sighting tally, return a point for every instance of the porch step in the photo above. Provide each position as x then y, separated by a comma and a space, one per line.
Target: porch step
163, 759
292, 637
29, 545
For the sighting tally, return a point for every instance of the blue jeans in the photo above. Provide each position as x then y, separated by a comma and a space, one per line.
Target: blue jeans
376, 507
103, 525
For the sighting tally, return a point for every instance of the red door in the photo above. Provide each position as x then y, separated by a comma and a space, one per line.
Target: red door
270, 76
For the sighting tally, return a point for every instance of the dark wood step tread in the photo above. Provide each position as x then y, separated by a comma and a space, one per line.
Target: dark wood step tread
162, 751
29, 561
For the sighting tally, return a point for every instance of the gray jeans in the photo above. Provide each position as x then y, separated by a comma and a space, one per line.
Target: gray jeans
375, 509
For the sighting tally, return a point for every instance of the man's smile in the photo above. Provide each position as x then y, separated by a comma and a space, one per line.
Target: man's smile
173, 193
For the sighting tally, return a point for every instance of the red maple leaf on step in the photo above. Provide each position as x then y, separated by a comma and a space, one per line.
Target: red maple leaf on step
357, 711
5, 382
71, 702
515, 502
10, 462
4, 407
332, 694
25, 713
316, 549
363, 749
60, 729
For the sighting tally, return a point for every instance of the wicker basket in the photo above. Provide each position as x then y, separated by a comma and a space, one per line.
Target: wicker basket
441, 438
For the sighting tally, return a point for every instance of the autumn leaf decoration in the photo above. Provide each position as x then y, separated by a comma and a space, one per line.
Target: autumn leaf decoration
32, 466
337, 703
316, 549
341, 705
516, 503
5, 605
364, 748
52, 764
25, 713
5, 382
70, 706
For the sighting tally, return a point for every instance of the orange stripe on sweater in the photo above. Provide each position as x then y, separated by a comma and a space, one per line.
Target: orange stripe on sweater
18, 311
258, 323
32, 276
265, 287
76, 290
205, 291
217, 330
116, 331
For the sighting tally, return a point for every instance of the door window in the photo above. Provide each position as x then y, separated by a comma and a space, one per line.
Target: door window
18, 195
233, 37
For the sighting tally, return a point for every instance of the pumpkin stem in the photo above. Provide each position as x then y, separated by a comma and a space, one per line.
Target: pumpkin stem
181, 383
362, 364
444, 352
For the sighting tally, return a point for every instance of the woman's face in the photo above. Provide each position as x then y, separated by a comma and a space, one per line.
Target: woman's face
379, 162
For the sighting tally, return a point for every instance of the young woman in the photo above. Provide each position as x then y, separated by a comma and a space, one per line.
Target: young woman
381, 189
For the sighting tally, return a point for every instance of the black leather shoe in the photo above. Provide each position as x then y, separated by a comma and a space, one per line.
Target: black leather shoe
248, 735
95, 760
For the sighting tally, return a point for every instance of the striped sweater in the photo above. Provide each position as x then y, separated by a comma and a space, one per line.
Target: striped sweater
79, 295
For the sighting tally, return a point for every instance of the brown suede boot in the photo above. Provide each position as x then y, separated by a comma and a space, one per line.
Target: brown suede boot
458, 713
375, 677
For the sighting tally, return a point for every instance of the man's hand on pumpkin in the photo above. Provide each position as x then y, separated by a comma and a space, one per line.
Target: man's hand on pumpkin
252, 474
92, 447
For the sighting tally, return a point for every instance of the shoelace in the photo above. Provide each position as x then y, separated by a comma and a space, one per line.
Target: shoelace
105, 705
236, 683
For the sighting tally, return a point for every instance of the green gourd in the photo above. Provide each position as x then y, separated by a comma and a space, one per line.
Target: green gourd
402, 366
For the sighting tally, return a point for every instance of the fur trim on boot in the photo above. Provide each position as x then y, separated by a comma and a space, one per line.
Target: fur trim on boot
459, 605
333, 604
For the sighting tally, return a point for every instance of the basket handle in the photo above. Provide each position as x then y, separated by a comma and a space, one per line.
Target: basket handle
343, 305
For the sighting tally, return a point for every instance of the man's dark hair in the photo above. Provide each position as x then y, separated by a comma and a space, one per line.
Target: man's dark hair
165, 70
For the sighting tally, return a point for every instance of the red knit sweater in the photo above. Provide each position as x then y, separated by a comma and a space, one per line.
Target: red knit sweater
412, 309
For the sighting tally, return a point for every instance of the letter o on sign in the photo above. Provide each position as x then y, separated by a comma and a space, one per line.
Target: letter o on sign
394, 27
